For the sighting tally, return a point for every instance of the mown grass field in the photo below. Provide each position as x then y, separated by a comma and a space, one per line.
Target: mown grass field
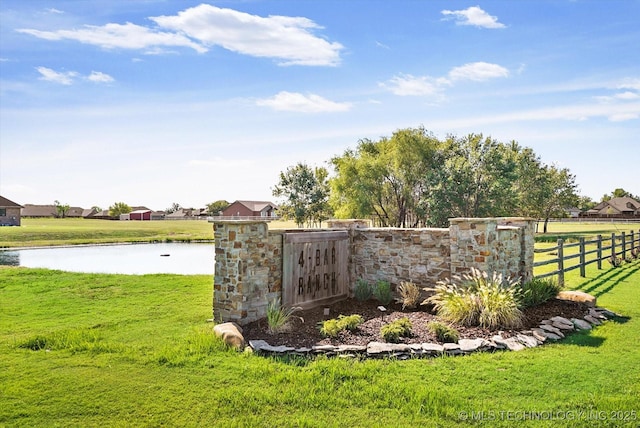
72, 231
115, 350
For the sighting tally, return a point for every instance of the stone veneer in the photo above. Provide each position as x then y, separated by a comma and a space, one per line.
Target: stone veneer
248, 270
248, 265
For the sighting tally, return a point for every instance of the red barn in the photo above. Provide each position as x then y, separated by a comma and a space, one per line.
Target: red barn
140, 215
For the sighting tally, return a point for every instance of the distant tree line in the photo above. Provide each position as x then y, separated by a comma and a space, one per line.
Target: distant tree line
414, 179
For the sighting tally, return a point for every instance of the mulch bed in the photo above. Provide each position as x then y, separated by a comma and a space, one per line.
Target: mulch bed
304, 331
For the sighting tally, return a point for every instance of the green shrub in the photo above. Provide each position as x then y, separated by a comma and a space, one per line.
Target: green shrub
409, 294
478, 300
538, 291
278, 316
393, 331
382, 292
332, 327
350, 322
443, 332
362, 290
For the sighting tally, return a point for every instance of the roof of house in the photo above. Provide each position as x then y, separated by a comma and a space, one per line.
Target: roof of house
140, 211
30, 210
6, 203
621, 204
256, 205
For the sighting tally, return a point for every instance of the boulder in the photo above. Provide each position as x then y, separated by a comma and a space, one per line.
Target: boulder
577, 296
231, 334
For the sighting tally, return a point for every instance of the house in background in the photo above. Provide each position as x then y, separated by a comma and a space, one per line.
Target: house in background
616, 207
251, 209
573, 212
9, 212
30, 210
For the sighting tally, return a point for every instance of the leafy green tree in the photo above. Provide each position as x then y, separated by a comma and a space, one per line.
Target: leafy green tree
619, 193
386, 178
215, 208
585, 203
558, 191
306, 193
119, 208
61, 209
476, 180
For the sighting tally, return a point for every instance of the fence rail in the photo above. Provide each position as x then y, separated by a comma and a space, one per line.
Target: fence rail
614, 249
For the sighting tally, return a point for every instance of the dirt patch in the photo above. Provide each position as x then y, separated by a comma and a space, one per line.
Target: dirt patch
304, 331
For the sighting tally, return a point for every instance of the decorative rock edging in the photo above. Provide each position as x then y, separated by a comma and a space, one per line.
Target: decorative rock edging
552, 329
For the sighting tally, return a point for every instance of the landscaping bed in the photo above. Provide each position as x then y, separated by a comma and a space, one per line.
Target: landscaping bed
303, 330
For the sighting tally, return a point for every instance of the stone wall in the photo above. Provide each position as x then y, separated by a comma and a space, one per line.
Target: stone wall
248, 266
394, 254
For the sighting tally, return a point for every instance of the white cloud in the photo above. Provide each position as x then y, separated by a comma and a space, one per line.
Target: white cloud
473, 16
478, 71
295, 101
99, 77
408, 85
123, 36
287, 38
67, 77
63, 78
54, 11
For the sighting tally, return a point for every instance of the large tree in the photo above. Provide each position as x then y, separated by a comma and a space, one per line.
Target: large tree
61, 209
475, 180
215, 208
385, 178
119, 208
306, 194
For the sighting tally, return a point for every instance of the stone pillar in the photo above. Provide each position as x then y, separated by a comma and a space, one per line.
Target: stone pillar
503, 245
248, 270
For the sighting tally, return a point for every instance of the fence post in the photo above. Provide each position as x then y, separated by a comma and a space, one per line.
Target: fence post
560, 263
582, 258
599, 254
613, 249
624, 246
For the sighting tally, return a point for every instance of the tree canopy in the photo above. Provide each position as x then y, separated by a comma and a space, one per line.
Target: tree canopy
306, 194
413, 179
119, 208
215, 208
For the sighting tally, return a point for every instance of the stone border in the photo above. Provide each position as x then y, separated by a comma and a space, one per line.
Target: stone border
552, 329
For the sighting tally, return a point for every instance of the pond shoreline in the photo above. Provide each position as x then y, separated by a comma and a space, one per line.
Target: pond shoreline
106, 244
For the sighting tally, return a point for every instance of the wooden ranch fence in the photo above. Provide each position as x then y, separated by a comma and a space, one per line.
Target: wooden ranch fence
613, 249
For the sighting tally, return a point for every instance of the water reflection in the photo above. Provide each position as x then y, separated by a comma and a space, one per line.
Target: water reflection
134, 259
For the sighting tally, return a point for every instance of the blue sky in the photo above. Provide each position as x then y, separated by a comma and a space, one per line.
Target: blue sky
152, 102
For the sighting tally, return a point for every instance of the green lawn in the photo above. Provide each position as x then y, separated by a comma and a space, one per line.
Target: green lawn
123, 350
115, 350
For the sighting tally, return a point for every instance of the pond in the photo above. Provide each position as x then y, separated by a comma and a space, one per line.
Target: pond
130, 259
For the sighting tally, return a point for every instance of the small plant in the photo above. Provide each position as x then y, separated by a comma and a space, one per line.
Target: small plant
538, 291
443, 332
350, 322
478, 300
362, 290
278, 316
615, 261
332, 327
393, 331
409, 294
382, 292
